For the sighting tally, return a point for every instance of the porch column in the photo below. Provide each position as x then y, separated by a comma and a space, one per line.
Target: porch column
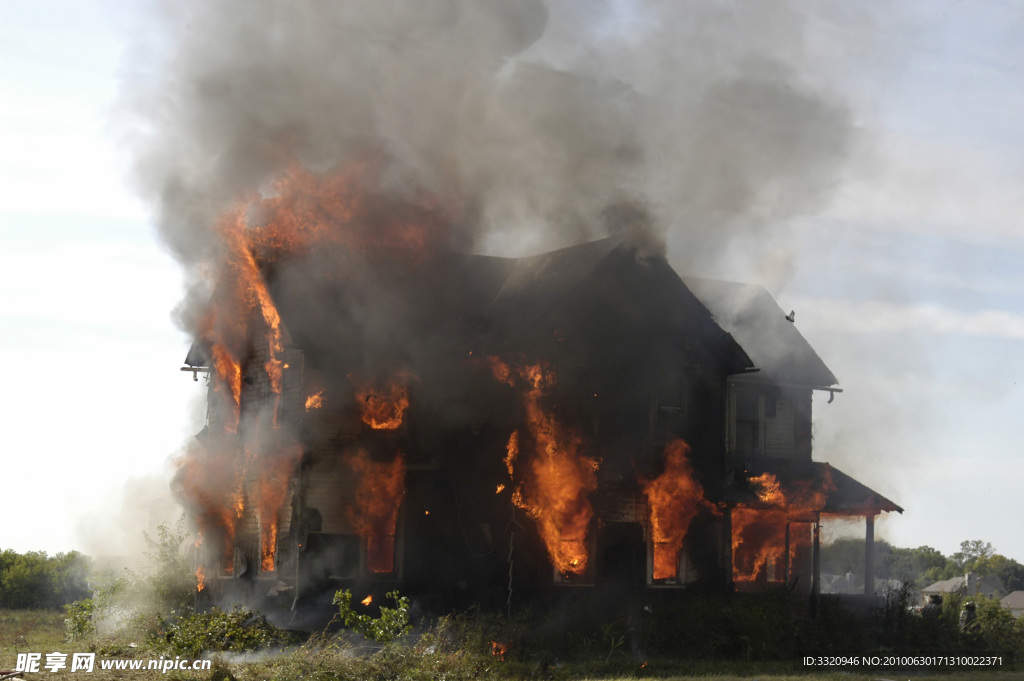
869, 554
816, 566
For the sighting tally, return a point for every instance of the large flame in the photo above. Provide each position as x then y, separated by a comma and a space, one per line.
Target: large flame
374, 515
270, 489
674, 498
759, 532
249, 464
559, 479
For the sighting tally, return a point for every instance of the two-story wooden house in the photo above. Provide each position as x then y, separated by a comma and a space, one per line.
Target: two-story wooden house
478, 429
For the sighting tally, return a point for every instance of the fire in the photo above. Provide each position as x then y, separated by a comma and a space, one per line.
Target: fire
367, 600
315, 401
229, 373
209, 473
374, 514
759, 532
500, 489
245, 468
499, 649
770, 492
559, 477
511, 452
759, 544
200, 578
384, 409
674, 498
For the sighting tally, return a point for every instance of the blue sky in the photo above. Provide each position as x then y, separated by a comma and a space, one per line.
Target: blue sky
909, 282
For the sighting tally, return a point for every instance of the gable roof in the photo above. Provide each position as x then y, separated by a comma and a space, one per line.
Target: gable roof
759, 325
508, 295
1014, 601
958, 583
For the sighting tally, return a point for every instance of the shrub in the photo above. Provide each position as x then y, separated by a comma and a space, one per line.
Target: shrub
78, 620
237, 630
393, 622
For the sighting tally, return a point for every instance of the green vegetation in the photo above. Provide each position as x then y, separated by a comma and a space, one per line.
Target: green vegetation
392, 623
238, 630
35, 581
924, 565
147, 613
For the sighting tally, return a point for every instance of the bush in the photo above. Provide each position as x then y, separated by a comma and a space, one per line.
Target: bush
78, 620
393, 622
171, 579
238, 630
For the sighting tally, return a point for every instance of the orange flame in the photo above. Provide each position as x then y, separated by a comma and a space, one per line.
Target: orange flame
384, 409
511, 452
367, 600
674, 498
759, 532
208, 473
274, 467
374, 515
200, 578
769, 490
315, 401
299, 212
559, 478
499, 649
500, 489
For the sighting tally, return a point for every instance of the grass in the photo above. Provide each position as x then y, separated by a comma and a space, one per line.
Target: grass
454, 650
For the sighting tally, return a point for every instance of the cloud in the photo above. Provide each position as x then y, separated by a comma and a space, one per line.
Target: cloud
878, 317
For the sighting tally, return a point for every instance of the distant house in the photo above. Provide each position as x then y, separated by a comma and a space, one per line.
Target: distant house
1014, 603
967, 585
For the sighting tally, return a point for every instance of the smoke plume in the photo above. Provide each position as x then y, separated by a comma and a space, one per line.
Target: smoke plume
696, 124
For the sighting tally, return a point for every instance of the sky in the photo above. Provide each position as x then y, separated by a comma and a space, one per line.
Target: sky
908, 280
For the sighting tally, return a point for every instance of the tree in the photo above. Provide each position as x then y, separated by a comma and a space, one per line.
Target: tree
35, 580
920, 566
1007, 570
971, 551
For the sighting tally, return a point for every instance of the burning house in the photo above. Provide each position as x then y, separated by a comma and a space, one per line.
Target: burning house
384, 411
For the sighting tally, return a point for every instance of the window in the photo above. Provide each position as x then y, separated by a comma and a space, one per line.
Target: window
747, 422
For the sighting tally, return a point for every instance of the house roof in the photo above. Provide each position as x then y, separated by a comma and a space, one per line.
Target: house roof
501, 297
1014, 601
535, 283
816, 485
955, 584
759, 325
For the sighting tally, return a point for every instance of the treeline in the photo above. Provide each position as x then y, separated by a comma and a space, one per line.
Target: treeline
35, 580
924, 565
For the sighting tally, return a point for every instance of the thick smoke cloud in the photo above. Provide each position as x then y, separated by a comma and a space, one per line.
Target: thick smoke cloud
697, 124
